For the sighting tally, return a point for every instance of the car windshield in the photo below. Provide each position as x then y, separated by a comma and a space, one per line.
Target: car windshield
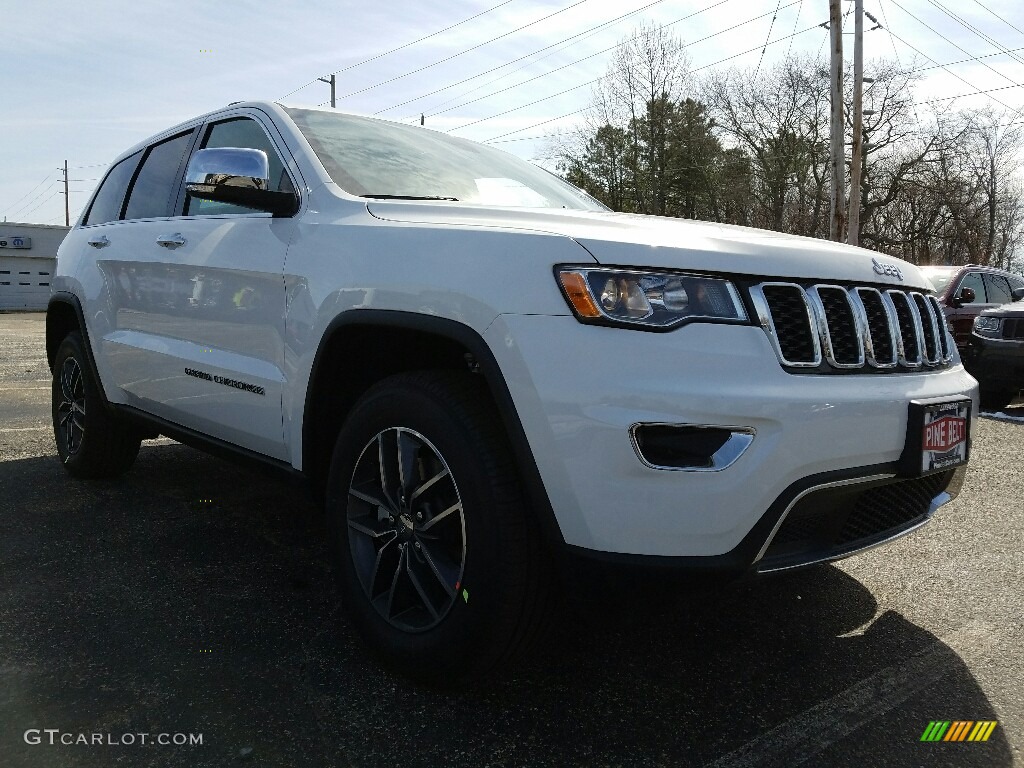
378, 159
939, 277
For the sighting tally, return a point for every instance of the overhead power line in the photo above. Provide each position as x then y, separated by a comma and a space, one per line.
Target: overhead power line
954, 74
967, 25
399, 48
617, 45
463, 53
1018, 29
976, 93
955, 45
770, 28
526, 56
13, 205
963, 61
960, 48
41, 203
798, 12
578, 111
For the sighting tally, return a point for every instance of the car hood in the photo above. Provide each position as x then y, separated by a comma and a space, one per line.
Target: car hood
656, 241
1013, 309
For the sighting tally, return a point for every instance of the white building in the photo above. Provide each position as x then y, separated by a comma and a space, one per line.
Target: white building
28, 256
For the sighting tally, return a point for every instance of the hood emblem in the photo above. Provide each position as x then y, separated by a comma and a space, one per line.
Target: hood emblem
890, 270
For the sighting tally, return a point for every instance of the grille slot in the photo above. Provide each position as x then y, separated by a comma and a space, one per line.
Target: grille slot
791, 323
834, 522
881, 346
932, 353
940, 321
835, 327
840, 331
909, 325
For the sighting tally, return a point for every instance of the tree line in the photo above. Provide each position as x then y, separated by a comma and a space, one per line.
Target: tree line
751, 147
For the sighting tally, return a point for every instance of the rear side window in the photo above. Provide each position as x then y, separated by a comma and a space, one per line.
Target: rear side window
998, 289
151, 194
244, 133
106, 206
974, 282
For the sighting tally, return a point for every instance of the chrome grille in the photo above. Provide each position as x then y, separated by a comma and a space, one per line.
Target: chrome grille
857, 327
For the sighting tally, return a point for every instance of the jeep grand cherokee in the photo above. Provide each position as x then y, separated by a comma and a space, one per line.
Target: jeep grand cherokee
481, 370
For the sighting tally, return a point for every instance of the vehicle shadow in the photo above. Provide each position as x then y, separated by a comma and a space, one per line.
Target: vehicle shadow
193, 596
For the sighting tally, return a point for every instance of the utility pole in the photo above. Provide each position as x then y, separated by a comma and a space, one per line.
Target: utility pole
67, 204
330, 82
858, 121
838, 153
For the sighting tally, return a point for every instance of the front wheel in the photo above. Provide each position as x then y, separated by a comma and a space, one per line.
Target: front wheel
91, 442
440, 562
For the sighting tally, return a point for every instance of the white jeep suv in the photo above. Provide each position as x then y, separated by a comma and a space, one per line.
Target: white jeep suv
483, 371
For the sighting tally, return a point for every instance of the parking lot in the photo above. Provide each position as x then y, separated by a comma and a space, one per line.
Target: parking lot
195, 597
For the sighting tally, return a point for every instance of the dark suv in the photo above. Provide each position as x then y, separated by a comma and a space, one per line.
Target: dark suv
995, 353
964, 292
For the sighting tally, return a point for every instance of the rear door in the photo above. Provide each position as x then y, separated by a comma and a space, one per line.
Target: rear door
199, 337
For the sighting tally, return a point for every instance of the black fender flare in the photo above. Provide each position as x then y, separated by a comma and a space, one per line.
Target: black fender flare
472, 341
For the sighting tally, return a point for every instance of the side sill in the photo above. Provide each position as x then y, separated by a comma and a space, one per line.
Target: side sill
211, 445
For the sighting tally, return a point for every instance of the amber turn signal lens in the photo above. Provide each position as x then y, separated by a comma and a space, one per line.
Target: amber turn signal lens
575, 286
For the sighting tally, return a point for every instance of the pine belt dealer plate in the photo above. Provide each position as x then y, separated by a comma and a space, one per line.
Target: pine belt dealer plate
937, 436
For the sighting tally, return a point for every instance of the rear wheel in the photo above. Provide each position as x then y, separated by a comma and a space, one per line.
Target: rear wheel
996, 399
91, 441
441, 565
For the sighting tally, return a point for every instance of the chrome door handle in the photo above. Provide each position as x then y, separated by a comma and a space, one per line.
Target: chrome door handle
171, 241
98, 241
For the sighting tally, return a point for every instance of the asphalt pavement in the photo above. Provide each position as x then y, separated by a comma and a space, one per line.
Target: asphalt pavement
193, 597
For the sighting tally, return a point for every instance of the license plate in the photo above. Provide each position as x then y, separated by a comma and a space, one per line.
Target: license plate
937, 436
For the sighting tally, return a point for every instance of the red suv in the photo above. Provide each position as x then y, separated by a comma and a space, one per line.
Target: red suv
966, 291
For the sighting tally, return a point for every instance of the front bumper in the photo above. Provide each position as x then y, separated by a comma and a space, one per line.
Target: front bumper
579, 390
996, 363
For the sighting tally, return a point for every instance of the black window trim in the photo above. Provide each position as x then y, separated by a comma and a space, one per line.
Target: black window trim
179, 174
991, 275
275, 140
92, 200
964, 276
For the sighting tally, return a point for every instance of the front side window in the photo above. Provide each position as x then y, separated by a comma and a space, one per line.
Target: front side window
106, 206
377, 159
243, 133
152, 193
998, 289
974, 282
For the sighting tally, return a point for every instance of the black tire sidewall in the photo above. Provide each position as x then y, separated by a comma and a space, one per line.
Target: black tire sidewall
72, 347
467, 639
108, 446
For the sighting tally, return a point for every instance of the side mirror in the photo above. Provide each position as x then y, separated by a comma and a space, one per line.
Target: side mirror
1017, 294
964, 296
236, 176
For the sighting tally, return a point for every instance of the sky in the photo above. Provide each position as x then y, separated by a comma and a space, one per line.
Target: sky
84, 81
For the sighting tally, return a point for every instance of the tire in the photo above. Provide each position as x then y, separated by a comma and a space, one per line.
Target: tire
443, 574
996, 399
91, 441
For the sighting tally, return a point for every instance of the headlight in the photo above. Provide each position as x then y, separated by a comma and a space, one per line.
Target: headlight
658, 300
986, 326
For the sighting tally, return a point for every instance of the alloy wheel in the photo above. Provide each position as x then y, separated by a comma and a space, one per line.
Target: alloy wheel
71, 409
407, 530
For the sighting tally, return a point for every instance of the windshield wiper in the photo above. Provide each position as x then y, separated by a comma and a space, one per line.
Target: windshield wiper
411, 197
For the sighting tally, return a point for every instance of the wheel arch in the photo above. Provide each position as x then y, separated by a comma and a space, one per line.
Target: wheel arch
386, 342
64, 314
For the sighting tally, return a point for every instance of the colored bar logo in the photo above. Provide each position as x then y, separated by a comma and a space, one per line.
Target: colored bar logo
959, 730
